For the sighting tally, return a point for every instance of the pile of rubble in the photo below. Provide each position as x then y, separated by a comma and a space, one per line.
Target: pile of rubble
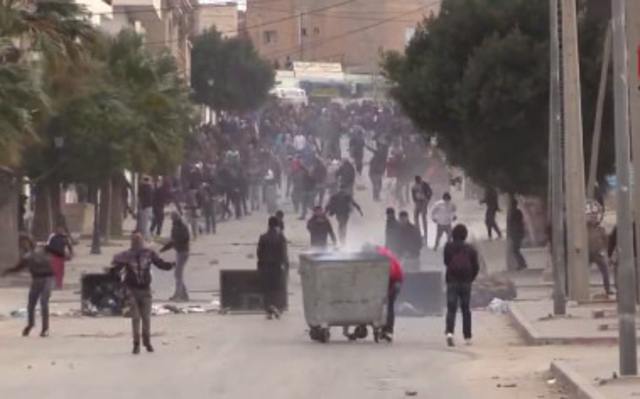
488, 287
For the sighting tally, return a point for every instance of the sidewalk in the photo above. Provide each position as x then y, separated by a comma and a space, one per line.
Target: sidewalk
588, 335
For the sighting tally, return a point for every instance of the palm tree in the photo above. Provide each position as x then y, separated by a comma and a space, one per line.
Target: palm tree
38, 39
21, 100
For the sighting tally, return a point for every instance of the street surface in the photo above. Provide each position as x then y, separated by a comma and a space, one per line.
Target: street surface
246, 356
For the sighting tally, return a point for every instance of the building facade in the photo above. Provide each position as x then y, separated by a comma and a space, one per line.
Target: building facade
353, 33
224, 17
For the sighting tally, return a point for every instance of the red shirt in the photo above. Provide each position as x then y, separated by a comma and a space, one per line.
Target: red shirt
396, 274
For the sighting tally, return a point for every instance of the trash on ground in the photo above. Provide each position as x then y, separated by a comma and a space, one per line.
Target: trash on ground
22, 312
157, 310
498, 306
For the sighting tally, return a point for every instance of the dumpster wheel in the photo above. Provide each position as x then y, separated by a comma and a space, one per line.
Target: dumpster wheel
377, 334
325, 335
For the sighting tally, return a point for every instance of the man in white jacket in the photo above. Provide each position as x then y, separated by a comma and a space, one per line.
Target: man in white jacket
443, 215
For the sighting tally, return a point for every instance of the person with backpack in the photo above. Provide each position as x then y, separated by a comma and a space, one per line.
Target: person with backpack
421, 193
462, 268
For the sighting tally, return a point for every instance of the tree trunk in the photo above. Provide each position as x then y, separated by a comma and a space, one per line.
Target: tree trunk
9, 217
95, 240
106, 196
43, 215
117, 205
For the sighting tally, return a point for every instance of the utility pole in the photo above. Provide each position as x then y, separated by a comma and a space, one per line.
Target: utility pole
633, 38
626, 266
574, 158
597, 126
556, 168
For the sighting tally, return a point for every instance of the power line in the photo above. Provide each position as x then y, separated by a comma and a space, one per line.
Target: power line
319, 42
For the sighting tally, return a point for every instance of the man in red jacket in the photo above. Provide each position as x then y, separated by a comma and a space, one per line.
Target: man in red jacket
396, 276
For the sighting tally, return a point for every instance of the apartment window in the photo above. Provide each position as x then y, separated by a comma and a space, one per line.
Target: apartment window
316, 31
304, 32
270, 36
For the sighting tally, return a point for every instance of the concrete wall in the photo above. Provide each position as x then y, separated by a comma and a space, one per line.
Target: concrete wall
223, 16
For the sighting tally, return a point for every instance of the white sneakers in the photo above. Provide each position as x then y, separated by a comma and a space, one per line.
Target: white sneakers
450, 340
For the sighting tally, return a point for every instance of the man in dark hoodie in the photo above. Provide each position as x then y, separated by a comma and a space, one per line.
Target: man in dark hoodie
180, 242
409, 243
273, 262
461, 262
320, 229
136, 263
37, 261
340, 204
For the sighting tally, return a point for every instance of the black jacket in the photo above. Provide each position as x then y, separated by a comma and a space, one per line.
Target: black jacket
346, 174
461, 252
340, 204
179, 238
515, 224
272, 251
320, 229
391, 235
137, 266
409, 242
421, 192
145, 195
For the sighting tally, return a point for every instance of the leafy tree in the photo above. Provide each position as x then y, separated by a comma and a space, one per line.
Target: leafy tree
20, 98
477, 76
228, 74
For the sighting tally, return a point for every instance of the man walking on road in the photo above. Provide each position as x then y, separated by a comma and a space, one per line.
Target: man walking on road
145, 207
180, 242
340, 205
516, 232
136, 263
461, 262
409, 242
443, 215
491, 201
37, 261
320, 229
273, 262
346, 176
421, 193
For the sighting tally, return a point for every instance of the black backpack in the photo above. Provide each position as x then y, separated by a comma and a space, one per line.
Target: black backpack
460, 264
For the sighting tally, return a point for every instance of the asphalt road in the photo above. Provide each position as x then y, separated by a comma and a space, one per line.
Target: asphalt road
245, 356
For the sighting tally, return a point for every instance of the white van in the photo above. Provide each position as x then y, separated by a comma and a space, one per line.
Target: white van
291, 95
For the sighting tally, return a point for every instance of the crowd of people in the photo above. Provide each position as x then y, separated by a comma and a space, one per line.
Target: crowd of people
307, 157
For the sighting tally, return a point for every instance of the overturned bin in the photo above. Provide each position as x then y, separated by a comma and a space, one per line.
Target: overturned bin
344, 289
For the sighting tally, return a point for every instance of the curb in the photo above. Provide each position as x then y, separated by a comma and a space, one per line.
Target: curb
533, 337
577, 384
